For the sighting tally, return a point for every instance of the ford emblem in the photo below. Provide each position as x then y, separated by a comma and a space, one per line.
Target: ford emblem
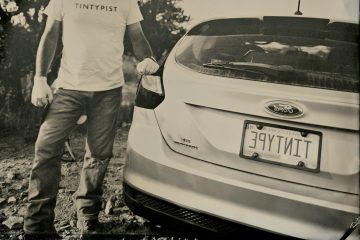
284, 109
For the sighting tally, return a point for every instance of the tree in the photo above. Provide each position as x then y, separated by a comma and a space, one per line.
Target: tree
163, 24
21, 24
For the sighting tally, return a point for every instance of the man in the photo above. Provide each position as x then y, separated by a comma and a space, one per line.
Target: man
90, 79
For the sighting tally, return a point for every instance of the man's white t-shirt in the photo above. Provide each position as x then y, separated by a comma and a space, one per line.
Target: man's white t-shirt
93, 34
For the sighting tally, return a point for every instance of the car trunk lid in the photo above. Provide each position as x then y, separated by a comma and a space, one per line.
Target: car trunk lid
208, 118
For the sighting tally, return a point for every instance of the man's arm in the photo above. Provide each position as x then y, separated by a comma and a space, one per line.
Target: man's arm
139, 43
41, 93
47, 47
142, 49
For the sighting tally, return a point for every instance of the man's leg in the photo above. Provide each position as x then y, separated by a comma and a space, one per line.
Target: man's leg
46, 171
102, 115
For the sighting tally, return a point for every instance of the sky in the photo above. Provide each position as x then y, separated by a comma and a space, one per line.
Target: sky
207, 9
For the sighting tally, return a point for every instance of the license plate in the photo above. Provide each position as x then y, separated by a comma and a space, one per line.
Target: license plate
291, 147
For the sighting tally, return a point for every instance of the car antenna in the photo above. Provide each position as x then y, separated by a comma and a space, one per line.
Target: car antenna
298, 12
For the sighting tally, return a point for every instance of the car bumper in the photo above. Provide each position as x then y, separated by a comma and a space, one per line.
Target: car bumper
231, 196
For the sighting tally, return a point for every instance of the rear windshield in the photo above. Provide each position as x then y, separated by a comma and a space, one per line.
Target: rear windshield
312, 53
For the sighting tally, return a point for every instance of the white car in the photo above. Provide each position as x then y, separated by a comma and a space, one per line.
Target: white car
251, 121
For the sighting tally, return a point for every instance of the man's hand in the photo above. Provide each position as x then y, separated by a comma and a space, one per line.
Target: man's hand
147, 66
142, 49
41, 93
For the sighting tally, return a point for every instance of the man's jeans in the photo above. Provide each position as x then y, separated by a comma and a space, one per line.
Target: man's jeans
101, 109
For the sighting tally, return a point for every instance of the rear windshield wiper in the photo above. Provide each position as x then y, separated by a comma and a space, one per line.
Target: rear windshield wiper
252, 68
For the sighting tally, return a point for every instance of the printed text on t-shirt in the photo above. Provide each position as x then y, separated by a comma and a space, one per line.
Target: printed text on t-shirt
96, 7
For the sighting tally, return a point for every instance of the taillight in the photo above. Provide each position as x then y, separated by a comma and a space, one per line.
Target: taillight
150, 91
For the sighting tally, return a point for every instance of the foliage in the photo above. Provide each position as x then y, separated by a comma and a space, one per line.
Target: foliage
21, 24
163, 24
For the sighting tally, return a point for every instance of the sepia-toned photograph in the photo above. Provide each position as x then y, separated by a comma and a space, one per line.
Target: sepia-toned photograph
179, 119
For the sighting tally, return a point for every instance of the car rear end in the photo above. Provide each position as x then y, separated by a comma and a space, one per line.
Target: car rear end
252, 121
